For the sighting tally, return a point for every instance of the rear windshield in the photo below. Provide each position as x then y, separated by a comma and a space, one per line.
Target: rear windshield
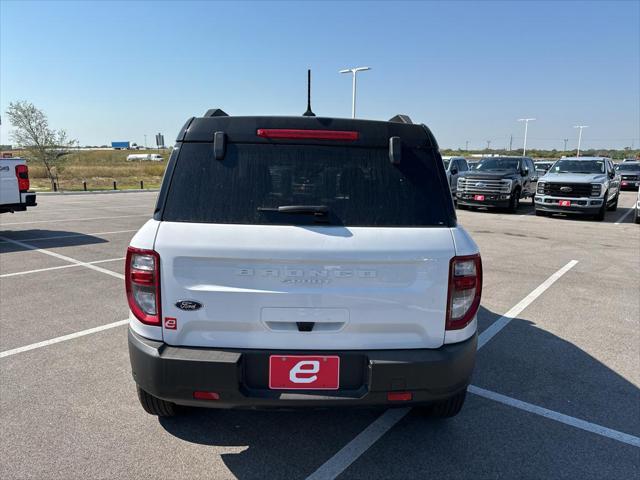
349, 186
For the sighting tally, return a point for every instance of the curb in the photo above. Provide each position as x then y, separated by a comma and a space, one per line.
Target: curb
98, 192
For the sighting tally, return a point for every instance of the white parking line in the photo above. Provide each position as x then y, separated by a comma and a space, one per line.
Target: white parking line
54, 237
76, 219
504, 320
558, 417
63, 257
356, 447
621, 219
89, 331
353, 450
73, 265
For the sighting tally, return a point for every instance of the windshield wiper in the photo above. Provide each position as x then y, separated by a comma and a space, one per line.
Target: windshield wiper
318, 210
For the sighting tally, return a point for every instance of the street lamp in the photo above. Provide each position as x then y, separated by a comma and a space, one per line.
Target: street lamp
580, 127
354, 71
526, 128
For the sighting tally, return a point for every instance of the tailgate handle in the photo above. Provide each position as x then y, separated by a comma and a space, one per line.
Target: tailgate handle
219, 145
305, 326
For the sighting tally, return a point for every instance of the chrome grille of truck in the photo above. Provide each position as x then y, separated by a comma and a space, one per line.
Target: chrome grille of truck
478, 185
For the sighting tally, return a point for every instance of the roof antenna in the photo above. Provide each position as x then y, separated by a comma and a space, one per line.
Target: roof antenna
308, 113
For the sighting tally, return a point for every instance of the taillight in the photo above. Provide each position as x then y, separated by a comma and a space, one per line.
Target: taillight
22, 174
465, 289
142, 281
287, 133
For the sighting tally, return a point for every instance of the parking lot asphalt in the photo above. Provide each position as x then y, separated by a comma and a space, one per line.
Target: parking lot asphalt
560, 360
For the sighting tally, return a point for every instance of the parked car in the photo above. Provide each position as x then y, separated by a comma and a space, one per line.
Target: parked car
454, 166
584, 185
543, 167
15, 195
497, 182
303, 261
629, 175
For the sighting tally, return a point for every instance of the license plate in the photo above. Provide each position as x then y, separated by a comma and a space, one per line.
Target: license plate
304, 372
624, 184
479, 198
565, 203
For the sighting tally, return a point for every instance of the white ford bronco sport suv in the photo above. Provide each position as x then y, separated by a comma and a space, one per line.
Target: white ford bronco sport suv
303, 262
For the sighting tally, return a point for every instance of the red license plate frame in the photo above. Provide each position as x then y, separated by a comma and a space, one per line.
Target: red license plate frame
479, 198
297, 372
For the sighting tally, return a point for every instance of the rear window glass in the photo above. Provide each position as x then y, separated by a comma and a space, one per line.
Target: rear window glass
354, 186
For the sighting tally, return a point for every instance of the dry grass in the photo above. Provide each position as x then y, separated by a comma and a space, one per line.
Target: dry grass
100, 168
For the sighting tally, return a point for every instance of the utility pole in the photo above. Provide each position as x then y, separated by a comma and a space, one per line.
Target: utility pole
526, 127
510, 141
488, 144
466, 146
353, 72
565, 144
580, 128
145, 142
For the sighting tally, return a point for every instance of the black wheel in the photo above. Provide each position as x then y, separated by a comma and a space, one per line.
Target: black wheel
603, 208
156, 406
514, 203
448, 408
614, 206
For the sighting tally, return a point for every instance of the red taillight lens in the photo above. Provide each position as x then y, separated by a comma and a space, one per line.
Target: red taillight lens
22, 174
465, 289
399, 396
206, 395
285, 133
142, 282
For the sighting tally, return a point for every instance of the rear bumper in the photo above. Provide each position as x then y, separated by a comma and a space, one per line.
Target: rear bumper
240, 376
27, 199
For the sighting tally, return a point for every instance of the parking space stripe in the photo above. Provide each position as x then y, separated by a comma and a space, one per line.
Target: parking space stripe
356, 447
73, 265
621, 219
64, 338
77, 219
558, 417
353, 450
54, 237
503, 321
63, 257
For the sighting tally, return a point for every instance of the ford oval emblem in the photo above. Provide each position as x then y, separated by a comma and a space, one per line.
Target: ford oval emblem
188, 305
480, 184
566, 189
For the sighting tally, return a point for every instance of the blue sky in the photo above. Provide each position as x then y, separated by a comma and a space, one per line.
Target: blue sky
119, 70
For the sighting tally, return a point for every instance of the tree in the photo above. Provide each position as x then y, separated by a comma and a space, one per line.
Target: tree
33, 134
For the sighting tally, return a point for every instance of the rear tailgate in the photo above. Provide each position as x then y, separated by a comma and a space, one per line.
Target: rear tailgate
259, 286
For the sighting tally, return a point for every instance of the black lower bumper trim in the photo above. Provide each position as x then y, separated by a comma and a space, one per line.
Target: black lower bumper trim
174, 373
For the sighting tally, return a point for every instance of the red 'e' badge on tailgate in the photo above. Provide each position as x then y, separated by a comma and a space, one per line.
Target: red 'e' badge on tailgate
304, 372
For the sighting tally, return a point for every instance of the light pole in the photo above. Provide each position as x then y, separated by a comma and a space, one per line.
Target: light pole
353, 72
526, 128
145, 142
580, 127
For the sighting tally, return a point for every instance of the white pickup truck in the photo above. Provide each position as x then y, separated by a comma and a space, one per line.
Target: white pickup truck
14, 186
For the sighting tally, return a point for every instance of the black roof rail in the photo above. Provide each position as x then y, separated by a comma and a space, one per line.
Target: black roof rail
215, 112
401, 119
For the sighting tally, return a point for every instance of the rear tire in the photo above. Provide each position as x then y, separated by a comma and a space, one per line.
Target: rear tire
448, 408
156, 406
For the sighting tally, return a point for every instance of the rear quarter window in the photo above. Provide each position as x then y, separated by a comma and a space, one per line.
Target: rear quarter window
359, 186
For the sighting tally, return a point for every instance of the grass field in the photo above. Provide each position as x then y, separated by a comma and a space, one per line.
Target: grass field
100, 168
